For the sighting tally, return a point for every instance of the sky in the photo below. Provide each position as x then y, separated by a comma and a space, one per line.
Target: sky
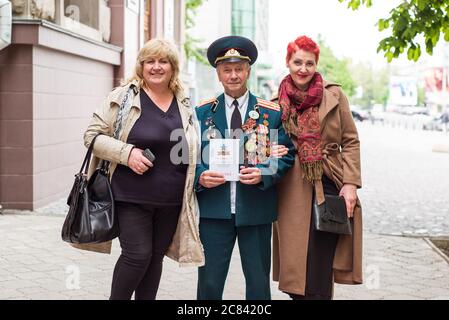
351, 34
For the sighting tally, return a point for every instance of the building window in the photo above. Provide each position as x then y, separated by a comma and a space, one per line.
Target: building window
85, 12
88, 18
243, 18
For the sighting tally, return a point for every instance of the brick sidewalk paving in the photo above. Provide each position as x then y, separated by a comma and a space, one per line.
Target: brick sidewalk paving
36, 264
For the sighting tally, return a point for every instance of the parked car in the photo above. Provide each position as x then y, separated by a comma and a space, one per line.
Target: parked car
435, 123
358, 114
377, 113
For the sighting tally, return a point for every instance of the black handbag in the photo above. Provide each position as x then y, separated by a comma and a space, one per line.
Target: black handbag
331, 215
92, 217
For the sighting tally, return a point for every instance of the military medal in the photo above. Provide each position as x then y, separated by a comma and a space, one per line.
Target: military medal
209, 122
211, 133
253, 114
249, 125
251, 146
261, 129
265, 122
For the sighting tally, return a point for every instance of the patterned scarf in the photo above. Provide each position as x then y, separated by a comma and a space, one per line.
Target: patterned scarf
300, 118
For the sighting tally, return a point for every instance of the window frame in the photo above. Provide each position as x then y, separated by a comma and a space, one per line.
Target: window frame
76, 26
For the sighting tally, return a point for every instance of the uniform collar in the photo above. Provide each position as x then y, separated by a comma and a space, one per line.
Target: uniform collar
242, 100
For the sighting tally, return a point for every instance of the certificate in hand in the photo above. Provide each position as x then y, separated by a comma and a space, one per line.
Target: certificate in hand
224, 157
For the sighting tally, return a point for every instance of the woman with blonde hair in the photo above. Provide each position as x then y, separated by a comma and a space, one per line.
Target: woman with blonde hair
154, 198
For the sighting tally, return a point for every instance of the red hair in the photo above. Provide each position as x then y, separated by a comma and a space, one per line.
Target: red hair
303, 43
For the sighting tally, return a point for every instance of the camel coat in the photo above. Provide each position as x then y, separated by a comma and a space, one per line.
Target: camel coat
341, 157
186, 247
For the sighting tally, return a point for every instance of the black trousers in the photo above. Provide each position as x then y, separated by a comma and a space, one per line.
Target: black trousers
320, 258
145, 235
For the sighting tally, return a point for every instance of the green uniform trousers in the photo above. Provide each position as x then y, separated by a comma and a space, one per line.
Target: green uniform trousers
218, 237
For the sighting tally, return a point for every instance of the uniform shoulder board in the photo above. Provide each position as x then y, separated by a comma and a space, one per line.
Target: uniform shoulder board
203, 103
268, 104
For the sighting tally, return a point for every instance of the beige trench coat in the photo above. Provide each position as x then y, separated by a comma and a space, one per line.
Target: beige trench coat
341, 156
186, 247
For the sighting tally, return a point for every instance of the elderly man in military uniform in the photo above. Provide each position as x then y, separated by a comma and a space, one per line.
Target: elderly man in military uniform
242, 209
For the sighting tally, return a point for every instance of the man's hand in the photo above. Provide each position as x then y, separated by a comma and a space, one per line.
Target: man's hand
211, 179
278, 150
349, 192
138, 163
250, 176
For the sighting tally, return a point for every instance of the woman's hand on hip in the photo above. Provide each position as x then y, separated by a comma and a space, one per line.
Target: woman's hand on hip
138, 163
349, 193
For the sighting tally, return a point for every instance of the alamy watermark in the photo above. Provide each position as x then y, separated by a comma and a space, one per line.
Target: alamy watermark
72, 281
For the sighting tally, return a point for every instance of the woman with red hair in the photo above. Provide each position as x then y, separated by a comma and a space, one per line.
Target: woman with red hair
316, 115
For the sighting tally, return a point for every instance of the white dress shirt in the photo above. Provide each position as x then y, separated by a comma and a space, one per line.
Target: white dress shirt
243, 106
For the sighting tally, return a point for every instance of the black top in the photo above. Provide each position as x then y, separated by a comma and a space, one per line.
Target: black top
329, 186
162, 185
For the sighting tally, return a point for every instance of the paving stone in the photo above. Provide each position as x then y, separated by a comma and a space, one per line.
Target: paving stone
17, 284
435, 291
31, 275
44, 267
440, 298
50, 296
29, 292
402, 297
10, 293
8, 277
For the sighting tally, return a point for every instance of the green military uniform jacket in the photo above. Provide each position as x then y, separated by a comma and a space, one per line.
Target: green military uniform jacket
255, 204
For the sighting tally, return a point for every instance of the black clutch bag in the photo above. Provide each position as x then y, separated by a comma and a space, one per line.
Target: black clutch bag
331, 215
92, 217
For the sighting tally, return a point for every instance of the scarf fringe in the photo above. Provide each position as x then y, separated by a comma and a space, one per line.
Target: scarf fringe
312, 171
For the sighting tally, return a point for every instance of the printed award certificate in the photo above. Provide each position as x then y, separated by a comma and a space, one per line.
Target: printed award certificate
224, 157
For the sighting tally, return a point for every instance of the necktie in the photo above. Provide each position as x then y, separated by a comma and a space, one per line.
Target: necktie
236, 121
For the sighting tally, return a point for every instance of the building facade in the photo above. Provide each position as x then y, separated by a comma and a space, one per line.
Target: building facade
248, 18
64, 58
436, 80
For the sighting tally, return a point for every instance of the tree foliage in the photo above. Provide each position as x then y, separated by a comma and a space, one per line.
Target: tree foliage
191, 44
335, 69
374, 84
408, 22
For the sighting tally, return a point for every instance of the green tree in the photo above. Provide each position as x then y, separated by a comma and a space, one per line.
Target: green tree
191, 44
421, 95
334, 69
381, 86
373, 83
408, 21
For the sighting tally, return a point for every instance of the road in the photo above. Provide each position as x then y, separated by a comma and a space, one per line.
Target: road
405, 184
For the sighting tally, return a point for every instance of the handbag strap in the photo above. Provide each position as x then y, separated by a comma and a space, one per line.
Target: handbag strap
122, 114
87, 158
